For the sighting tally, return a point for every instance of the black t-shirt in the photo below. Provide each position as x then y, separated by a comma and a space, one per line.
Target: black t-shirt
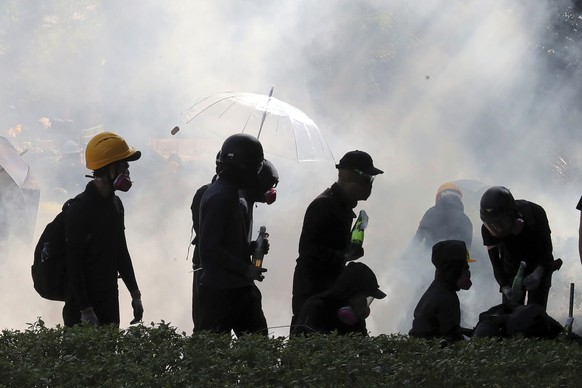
579, 206
533, 245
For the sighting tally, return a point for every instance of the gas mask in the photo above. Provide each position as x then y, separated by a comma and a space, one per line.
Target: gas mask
270, 196
348, 316
122, 183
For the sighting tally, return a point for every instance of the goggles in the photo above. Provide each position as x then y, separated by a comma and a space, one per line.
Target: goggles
501, 227
368, 177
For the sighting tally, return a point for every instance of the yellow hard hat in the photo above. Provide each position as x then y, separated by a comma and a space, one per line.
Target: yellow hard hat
106, 148
449, 186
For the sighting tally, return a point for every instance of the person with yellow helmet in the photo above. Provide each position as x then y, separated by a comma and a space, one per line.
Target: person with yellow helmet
96, 248
446, 220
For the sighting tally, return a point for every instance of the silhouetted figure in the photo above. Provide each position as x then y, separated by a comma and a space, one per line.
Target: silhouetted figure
229, 299
262, 191
446, 220
344, 307
438, 313
95, 238
505, 321
514, 231
325, 243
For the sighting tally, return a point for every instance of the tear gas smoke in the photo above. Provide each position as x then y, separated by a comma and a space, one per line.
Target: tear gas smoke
444, 91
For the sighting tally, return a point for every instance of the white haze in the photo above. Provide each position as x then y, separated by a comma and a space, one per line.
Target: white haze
469, 98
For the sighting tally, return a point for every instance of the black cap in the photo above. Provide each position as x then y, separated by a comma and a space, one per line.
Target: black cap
449, 251
359, 160
366, 278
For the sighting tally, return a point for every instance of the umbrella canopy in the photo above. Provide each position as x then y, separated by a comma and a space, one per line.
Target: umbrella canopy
12, 163
19, 194
472, 191
283, 129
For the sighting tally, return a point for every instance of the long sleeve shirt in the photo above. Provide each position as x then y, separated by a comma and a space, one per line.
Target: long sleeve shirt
224, 247
96, 247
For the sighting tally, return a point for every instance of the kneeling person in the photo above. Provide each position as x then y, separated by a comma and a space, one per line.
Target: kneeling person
342, 308
438, 313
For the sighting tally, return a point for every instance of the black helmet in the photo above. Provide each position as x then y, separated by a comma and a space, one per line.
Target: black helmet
498, 210
242, 156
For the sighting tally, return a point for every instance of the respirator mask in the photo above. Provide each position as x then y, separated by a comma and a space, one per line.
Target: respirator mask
348, 316
122, 183
270, 196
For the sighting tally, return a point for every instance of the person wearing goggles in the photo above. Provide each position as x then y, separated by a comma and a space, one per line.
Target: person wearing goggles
514, 231
227, 295
325, 244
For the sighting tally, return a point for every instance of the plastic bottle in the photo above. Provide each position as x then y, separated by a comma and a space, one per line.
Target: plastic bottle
259, 252
44, 254
359, 227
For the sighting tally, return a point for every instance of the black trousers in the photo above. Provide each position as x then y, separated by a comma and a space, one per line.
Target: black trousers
196, 298
238, 309
106, 307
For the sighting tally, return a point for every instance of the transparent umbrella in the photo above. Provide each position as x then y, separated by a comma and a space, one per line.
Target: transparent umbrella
472, 191
19, 194
283, 129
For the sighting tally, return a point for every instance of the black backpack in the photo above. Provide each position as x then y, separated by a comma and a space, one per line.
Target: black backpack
49, 270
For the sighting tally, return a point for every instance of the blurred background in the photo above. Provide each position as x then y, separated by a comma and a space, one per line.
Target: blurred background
440, 91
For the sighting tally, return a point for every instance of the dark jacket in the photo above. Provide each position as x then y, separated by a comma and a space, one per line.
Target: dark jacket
96, 247
319, 313
325, 237
224, 248
438, 313
506, 321
195, 209
445, 221
533, 245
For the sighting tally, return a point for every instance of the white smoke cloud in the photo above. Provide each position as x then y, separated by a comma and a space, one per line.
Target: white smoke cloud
455, 90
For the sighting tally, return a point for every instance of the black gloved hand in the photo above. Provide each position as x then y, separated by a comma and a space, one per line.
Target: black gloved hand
354, 252
255, 273
137, 311
88, 316
253, 246
137, 306
266, 245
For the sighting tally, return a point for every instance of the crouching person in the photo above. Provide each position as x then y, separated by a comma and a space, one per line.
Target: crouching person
344, 307
438, 313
